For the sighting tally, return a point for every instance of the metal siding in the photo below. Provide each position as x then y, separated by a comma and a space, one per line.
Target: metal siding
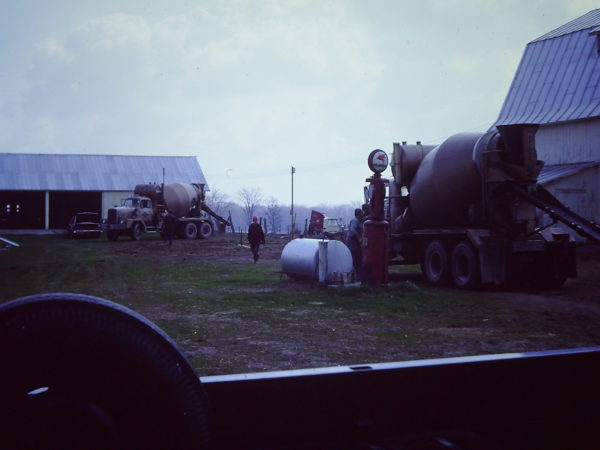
557, 80
92, 172
579, 192
572, 142
549, 64
588, 20
528, 76
510, 99
586, 82
558, 90
568, 86
552, 173
577, 189
529, 80
593, 90
575, 82
550, 78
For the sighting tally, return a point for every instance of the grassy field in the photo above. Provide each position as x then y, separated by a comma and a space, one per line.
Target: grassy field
229, 315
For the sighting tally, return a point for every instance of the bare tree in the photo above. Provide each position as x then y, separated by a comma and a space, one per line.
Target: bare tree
251, 198
218, 201
273, 213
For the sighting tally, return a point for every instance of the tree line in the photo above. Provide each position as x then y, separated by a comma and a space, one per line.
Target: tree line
274, 216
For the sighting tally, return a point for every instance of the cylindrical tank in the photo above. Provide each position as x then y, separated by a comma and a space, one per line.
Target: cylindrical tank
406, 160
446, 183
152, 191
300, 258
180, 198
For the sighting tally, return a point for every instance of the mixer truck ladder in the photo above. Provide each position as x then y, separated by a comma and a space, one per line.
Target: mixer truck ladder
215, 215
545, 201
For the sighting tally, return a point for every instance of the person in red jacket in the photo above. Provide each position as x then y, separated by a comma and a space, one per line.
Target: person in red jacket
256, 236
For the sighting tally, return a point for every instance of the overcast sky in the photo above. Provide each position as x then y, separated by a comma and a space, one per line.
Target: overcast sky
253, 87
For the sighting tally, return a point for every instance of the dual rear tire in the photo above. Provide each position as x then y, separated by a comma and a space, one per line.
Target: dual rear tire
193, 230
461, 266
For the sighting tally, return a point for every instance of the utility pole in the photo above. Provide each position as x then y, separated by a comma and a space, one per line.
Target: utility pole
292, 208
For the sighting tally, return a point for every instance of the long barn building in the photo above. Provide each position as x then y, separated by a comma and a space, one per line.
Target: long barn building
42, 191
557, 87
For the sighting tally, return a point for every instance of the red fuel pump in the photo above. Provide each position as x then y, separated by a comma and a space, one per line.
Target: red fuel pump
375, 235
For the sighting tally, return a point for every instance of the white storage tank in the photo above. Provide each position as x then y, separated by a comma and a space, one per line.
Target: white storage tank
300, 259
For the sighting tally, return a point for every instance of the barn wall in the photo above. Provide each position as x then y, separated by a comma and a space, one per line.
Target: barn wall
581, 193
110, 199
569, 142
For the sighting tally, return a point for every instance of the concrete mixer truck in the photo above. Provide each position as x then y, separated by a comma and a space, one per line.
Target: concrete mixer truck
144, 211
468, 212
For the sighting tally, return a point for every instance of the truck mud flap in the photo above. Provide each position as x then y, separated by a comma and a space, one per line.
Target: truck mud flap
492, 263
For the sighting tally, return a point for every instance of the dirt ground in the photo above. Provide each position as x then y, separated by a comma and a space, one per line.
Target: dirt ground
218, 249
577, 295
577, 302
576, 298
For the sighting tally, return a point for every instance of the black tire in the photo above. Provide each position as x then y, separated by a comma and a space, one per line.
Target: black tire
206, 230
88, 373
136, 231
436, 264
465, 266
112, 235
190, 230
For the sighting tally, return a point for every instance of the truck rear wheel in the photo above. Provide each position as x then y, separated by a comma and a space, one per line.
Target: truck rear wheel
136, 232
465, 266
190, 230
436, 263
206, 230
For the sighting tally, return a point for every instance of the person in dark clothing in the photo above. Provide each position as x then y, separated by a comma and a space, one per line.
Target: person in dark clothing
169, 224
256, 236
354, 241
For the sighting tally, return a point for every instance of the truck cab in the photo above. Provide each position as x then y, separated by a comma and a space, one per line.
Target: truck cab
134, 216
139, 206
333, 227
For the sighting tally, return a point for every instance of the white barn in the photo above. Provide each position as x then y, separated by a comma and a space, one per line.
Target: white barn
557, 87
42, 191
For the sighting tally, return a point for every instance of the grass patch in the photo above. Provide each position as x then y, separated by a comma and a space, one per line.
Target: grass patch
229, 315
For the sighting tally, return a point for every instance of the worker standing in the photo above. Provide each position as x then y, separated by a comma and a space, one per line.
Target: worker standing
354, 241
256, 236
169, 225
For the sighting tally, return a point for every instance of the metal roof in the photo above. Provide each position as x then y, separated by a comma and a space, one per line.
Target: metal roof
557, 171
60, 172
558, 78
589, 20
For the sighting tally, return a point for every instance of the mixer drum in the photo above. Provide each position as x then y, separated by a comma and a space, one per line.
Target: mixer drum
446, 183
180, 198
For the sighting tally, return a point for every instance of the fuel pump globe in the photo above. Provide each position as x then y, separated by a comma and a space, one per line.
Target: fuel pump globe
378, 161
375, 236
